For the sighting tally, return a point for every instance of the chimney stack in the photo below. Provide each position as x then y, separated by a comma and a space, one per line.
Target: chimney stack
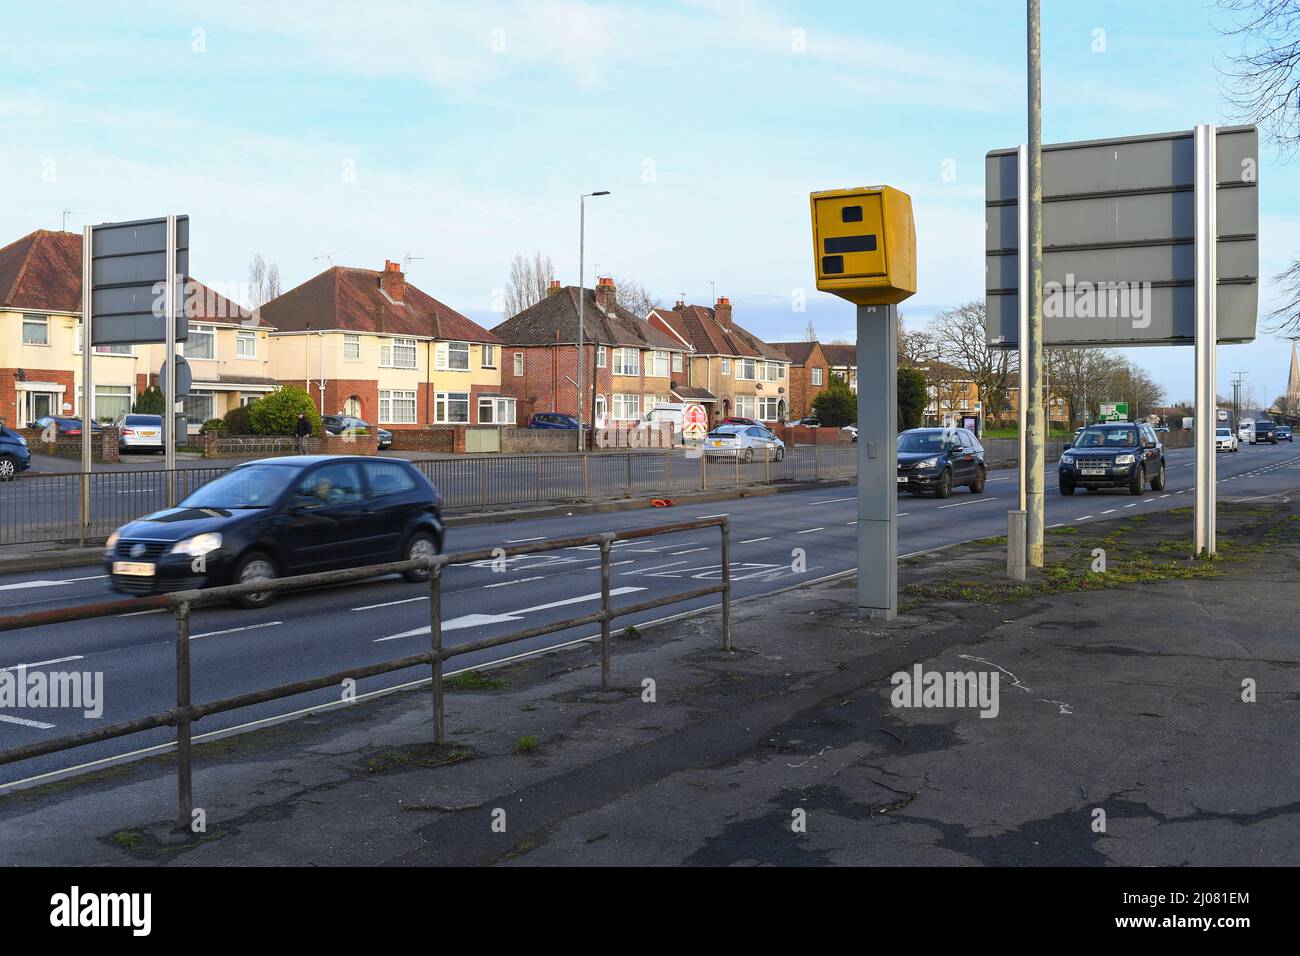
605, 294
392, 281
722, 311
681, 304
554, 287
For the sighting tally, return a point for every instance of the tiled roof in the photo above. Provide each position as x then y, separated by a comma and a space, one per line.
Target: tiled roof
700, 326
350, 299
554, 320
42, 271
841, 356
799, 352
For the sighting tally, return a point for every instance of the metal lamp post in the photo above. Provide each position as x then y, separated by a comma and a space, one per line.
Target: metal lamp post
582, 297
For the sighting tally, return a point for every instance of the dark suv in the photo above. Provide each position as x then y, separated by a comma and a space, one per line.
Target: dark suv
935, 459
1113, 455
1265, 431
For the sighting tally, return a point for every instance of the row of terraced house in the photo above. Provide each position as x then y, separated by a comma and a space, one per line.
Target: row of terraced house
368, 343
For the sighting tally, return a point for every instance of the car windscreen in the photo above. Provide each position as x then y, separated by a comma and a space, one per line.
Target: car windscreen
1108, 438
250, 486
1225, 432
920, 441
723, 431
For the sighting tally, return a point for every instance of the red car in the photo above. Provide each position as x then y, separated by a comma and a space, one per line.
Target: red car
736, 420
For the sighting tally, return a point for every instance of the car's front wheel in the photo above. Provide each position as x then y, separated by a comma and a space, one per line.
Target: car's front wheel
1066, 490
8, 467
1158, 482
1139, 481
944, 488
421, 545
254, 566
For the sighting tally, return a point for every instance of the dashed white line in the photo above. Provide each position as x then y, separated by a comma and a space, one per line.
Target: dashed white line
687, 551
831, 501
755, 540
810, 530
502, 584
371, 607
522, 540
235, 630
23, 722
57, 660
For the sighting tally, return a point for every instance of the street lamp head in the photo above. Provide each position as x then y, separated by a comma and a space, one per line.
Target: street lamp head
603, 192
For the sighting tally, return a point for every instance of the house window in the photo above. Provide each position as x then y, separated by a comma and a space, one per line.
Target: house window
658, 364
452, 356
397, 408
602, 356
817, 376
627, 362
198, 406
726, 366
112, 401
201, 344
519, 363
397, 353
352, 406
769, 409
496, 411
451, 408
103, 349
746, 406
352, 348
677, 361
489, 356
246, 345
36, 330
746, 370
600, 411
627, 408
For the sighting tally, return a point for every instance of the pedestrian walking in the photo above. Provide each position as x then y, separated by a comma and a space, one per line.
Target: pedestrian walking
302, 431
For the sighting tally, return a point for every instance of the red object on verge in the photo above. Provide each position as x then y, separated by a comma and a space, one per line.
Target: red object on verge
661, 503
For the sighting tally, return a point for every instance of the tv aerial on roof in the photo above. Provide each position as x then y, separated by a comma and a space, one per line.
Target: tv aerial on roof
328, 256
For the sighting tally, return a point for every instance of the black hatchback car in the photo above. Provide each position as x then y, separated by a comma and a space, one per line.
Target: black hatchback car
936, 459
279, 517
1114, 455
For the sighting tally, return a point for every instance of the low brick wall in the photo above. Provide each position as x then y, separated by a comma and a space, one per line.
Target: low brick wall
807, 435
428, 439
103, 445
515, 441
269, 446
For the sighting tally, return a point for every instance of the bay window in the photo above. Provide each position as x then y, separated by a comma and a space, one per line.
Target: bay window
396, 407
626, 407
451, 408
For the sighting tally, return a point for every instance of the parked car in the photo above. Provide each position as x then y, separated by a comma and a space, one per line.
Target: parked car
1162, 429
1225, 440
937, 459
278, 517
555, 420
1113, 455
851, 431
746, 442
812, 421
738, 420
15, 456
65, 426
337, 424
139, 432
1265, 431
1284, 433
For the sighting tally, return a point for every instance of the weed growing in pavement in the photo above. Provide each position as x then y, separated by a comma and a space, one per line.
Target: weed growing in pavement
526, 744
475, 680
630, 633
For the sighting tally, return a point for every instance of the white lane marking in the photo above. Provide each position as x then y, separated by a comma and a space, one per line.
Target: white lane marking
1110, 511
614, 564
157, 610
1084, 517
810, 530
371, 607
522, 540
960, 504
21, 585
23, 722
1148, 501
657, 567
236, 630
755, 540
831, 501
725, 514
503, 584
687, 551
903, 514
1164, 496
477, 620
1133, 505
1060, 525
57, 660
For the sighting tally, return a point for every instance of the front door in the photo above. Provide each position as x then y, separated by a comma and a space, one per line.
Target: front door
41, 404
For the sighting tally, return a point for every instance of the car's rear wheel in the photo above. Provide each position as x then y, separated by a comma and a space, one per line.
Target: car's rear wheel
1139, 481
749, 455
944, 488
977, 486
1158, 482
780, 453
8, 467
254, 566
1066, 490
420, 545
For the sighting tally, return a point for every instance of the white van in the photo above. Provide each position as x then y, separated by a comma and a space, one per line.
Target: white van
1246, 430
667, 413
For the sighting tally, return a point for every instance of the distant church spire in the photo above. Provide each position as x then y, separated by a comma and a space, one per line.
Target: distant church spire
1293, 380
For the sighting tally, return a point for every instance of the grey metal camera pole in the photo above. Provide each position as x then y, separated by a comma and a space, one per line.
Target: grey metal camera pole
87, 389
1035, 459
169, 379
878, 460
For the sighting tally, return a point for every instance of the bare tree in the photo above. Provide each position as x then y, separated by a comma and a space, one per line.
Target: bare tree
634, 297
809, 333
529, 279
256, 280
272, 282
958, 337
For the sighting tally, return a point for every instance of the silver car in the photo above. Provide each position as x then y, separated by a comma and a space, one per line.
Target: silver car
747, 442
139, 432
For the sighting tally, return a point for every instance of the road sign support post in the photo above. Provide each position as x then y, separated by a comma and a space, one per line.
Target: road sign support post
1016, 545
878, 460
1036, 434
87, 389
169, 352
1206, 335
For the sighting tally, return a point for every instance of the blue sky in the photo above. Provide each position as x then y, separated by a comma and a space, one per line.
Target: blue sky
462, 133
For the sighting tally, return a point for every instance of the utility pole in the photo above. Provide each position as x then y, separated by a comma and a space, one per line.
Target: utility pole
1236, 398
1036, 437
582, 298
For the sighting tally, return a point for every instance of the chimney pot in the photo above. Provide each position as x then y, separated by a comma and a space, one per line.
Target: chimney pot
554, 287
392, 281
605, 294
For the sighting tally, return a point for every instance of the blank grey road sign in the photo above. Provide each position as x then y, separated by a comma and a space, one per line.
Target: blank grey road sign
1121, 212
128, 274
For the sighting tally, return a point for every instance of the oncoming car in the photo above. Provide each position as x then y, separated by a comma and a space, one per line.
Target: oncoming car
1114, 455
745, 442
937, 459
1225, 440
278, 517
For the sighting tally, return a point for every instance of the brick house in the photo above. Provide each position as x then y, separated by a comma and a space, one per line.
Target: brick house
365, 342
742, 374
809, 374
628, 364
843, 361
40, 343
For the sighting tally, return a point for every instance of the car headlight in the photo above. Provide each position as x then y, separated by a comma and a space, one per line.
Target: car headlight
928, 463
1067, 459
198, 545
111, 543
1124, 459
21, 439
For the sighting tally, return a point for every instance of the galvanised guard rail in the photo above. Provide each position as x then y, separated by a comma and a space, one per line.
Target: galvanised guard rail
182, 603
47, 507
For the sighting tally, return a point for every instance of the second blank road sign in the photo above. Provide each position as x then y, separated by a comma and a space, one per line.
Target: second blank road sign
128, 271
1119, 232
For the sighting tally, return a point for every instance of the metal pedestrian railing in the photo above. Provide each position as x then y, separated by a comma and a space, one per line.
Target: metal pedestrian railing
183, 603
37, 508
